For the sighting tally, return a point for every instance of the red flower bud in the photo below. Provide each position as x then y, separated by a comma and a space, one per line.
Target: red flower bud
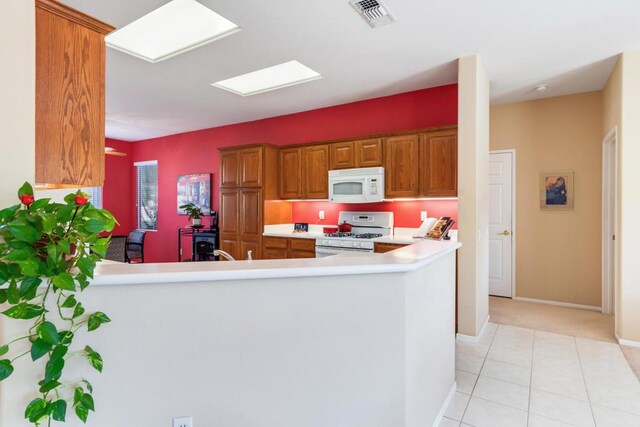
26, 199
81, 200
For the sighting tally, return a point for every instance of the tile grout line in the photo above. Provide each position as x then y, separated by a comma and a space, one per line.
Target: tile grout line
593, 415
478, 378
533, 348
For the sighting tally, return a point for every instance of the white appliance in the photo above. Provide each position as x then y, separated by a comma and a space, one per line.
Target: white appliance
365, 227
361, 185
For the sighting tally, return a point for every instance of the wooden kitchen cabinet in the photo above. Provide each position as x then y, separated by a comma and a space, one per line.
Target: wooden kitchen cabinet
283, 248
229, 226
356, 154
386, 247
241, 168
316, 172
70, 96
290, 176
229, 169
368, 153
247, 179
439, 163
250, 160
402, 166
343, 155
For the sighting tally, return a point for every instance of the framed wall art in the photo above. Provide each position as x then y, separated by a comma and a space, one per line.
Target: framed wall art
195, 189
556, 190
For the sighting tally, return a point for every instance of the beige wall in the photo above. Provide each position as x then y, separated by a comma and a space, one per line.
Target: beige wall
473, 195
558, 253
17, 102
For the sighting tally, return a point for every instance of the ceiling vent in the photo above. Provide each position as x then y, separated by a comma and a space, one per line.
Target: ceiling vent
374, 12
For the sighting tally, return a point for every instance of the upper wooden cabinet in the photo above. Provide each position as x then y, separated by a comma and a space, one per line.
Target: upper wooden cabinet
439, 163
229, 169
401, 166
241, 167
343, 155
70, 96
316, 172
369, 153
250, 160
356, 154
290, 168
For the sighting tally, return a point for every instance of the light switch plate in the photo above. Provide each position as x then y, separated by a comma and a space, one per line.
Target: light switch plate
321, 214
423, 215
183, 422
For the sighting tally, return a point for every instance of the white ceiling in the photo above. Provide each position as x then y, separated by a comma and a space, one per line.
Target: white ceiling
568, 44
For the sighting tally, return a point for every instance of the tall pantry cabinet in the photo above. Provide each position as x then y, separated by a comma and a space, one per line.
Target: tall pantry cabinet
244, 186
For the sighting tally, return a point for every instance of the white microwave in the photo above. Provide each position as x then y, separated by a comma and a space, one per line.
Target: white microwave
361, 185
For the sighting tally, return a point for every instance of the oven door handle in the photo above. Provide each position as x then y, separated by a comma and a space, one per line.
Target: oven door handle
327, 250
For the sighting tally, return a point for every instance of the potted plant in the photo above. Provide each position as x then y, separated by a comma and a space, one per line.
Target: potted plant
194, 212
48, 253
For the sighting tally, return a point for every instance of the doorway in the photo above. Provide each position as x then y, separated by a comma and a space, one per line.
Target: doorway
502, 223
609, 220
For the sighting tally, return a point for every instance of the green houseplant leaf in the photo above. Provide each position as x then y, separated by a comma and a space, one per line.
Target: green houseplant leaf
48, 251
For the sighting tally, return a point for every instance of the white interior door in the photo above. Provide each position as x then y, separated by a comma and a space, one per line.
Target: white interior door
500, 224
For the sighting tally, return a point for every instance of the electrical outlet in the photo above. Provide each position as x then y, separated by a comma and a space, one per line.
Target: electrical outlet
321, 214
423, 215
183, 422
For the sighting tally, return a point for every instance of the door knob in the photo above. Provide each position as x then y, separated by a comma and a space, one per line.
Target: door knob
505, 233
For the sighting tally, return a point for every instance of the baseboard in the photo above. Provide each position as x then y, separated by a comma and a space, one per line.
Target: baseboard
444, 406
558, 303
471, 338
627, 342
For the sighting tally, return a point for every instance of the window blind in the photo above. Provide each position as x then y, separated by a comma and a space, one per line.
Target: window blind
147, 195
95, 194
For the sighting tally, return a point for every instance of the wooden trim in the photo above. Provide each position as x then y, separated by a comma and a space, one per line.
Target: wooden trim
74, 15
374, 136
235, 147
355, 138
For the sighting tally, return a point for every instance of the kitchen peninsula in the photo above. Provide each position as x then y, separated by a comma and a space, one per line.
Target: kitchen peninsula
346, 340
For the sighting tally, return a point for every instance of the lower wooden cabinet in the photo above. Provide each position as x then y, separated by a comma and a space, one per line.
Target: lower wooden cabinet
288, 248
240, 222
386, 247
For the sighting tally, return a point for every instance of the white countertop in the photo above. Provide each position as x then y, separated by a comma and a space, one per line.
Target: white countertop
401, 236
409, 258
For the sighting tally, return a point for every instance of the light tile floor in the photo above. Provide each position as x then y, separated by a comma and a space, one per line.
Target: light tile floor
524, 377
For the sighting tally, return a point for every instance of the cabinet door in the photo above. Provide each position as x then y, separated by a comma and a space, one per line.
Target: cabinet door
229, 212
70, 96
250, 222
229, 169
250, 167
401, 166
343, 155
368, 153
439, 164
229, 221
386, 247
301, 254
273, 253
290, 179
316, 172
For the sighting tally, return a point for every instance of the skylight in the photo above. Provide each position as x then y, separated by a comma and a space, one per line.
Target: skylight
172, 29
272, 78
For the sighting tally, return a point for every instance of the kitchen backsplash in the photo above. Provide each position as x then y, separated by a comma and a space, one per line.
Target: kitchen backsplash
406, 213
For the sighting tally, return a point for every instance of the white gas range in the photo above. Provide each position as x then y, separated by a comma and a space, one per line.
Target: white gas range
365, 226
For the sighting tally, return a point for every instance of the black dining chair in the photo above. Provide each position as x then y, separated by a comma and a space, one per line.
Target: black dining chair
135, 247
117, 249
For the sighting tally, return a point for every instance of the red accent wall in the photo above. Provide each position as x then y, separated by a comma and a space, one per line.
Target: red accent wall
119, 185
405, 213
196, 152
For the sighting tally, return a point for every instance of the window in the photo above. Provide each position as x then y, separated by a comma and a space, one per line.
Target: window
147, 195
95, 194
